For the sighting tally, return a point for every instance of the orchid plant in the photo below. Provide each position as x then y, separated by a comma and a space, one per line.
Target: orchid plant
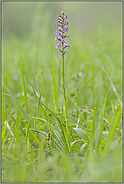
63, 46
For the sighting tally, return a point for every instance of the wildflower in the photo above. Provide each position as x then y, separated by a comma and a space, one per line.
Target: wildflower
63, 46
61, 33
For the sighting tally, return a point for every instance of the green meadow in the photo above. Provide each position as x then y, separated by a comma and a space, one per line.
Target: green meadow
35, 145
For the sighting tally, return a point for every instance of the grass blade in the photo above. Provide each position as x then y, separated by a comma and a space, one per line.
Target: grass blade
25, 94
27, 131
93, 131
40, 152
3, 133
55, 94
20, 107
112, 131
17, 132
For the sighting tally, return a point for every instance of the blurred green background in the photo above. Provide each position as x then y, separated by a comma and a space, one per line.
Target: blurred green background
95, 28
22, 18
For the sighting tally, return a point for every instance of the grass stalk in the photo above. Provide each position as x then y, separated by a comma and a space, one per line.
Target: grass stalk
64, 94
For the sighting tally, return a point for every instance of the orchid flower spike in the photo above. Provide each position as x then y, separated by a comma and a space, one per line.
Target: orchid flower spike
61, 34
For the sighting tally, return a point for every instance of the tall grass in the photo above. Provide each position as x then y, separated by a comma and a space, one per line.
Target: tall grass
33, 109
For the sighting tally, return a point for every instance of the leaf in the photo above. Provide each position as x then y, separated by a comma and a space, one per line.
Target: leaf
83, 148
82, 134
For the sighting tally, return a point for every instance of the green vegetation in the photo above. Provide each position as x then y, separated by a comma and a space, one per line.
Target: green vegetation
33, 107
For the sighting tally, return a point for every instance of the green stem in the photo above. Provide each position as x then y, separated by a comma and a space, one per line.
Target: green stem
63, 86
